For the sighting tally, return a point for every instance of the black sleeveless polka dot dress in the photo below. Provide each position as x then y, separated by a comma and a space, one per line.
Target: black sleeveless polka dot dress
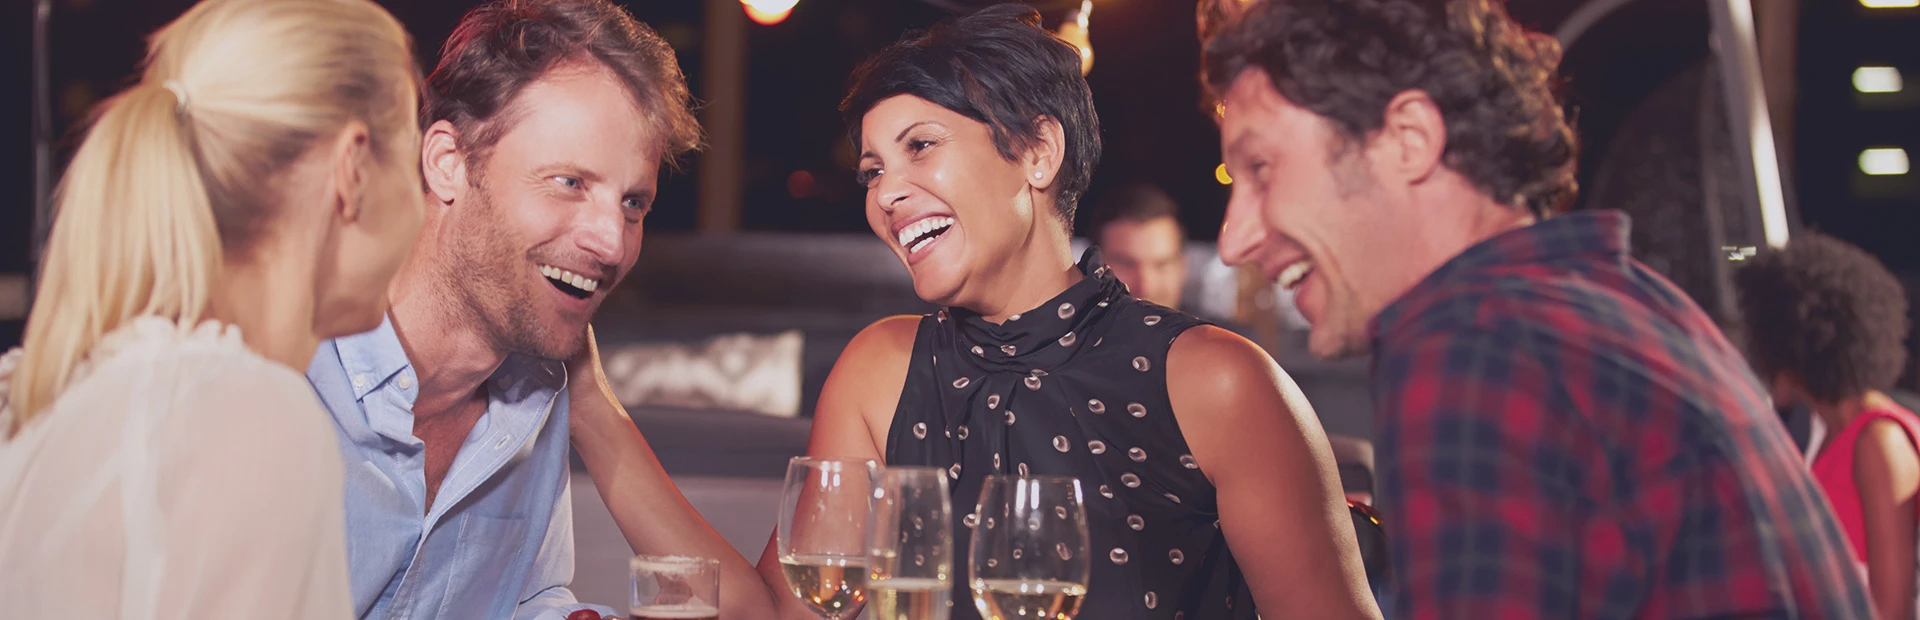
1076, 387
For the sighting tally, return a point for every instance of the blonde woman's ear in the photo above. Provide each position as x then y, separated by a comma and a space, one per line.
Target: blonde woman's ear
351, 156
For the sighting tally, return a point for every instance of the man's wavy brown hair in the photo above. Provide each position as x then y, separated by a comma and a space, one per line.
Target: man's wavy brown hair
1345, 60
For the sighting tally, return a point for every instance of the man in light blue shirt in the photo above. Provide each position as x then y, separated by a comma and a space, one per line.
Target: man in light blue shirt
475, 552
547, 122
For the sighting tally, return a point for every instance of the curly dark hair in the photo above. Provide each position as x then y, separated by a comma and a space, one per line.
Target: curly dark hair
996, 66
1345, 60
1826, 313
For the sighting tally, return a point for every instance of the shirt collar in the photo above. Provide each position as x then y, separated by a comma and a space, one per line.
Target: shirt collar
524, 384
528, 374
372, 358
1598, 234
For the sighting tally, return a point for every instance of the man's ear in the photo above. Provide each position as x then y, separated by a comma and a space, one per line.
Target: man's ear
1412, 139
442, 164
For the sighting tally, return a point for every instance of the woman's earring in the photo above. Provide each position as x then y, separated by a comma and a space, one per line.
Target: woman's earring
1036, 175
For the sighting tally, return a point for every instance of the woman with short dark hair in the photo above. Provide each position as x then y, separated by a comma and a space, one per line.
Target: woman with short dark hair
1211, 490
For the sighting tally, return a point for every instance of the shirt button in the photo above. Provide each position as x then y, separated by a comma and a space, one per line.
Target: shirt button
405, 382
359, 381
502, 382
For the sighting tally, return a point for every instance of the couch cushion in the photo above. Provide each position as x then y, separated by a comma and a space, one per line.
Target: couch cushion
737, 371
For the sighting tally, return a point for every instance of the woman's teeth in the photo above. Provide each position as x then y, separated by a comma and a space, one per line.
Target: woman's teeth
573, 279
916, 235
1294, 273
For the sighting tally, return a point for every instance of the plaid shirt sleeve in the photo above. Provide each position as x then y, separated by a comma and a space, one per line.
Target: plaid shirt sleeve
1480, 484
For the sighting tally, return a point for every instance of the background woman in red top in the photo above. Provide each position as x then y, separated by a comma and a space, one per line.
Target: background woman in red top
1826, 325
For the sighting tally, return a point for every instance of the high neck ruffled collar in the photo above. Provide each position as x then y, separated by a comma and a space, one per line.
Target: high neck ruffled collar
1046, 336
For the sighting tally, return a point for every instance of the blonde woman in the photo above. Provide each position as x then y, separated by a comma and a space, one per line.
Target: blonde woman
163, 456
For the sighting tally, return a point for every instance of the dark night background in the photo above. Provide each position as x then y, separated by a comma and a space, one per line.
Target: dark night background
1144, 89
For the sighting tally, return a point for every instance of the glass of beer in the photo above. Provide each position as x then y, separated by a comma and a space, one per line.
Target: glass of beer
1029, 552
910, 546
674, 588
821, 539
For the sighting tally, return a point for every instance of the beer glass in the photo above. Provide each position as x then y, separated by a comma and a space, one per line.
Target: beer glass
674, 588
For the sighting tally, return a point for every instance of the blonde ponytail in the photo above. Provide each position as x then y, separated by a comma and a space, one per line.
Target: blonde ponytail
173, 174
134, 236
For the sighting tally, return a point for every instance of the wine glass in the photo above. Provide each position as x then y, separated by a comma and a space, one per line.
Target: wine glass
910, 546
1029, 552
674, 588
822, 539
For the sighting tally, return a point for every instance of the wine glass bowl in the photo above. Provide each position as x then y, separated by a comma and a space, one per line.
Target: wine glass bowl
910, 546
822, 533
1028, 556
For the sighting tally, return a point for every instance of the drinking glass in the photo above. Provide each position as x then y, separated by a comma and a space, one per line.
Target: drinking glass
1029, 552
822, 540
910, 546
674, 588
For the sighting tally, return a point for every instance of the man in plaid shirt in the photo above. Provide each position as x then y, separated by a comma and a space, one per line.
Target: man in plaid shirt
1561, 432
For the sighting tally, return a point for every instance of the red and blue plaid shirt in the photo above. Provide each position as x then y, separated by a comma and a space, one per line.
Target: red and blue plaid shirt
1563, 434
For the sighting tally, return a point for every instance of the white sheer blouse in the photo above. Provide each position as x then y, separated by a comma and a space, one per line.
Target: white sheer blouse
179, 476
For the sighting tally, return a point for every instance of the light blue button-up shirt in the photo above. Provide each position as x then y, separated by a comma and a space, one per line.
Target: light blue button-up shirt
498, 540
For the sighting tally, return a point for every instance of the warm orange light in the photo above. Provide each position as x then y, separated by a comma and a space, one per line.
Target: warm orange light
768, 12
1074, 32
801, 184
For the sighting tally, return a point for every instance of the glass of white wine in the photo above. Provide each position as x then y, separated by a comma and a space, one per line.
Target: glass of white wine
910, 546
1029, 551
822, 533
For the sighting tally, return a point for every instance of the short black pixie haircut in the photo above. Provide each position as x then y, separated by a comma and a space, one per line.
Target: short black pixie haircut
996, 66
1827, 313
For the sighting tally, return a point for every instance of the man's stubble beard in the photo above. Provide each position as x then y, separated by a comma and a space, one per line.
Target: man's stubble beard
480, 278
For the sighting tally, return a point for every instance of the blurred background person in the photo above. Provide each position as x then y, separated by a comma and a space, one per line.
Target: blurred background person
1137, 227
1826, 329
250, 195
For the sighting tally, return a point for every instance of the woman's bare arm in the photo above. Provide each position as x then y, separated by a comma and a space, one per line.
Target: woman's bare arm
1886, 470
852, 419
1257, 439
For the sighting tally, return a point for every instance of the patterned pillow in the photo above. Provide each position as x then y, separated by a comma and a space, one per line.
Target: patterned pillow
742, 372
